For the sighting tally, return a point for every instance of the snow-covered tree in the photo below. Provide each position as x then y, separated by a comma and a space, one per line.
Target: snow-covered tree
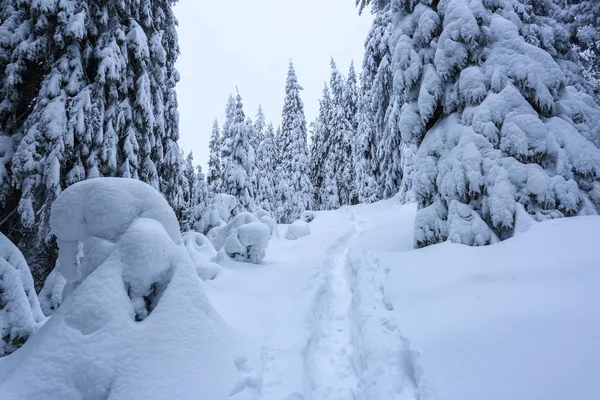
20, 312
199, 201
86, 90
294, 148
214, 159
319, 146
330, 198
350, 106
265, 196
260, 127
340, 149
488, 102
239, 159
226, 139
372, 155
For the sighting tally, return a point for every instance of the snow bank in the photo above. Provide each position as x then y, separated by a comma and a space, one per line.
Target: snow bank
20, 312
134, 307
297, 230
202, 253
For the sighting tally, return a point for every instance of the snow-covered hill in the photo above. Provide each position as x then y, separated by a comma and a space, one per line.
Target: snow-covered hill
351, 312
348, 312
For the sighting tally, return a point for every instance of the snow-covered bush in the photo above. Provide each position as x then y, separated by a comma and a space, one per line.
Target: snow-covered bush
248, 242
51, 294
20, 312
202, 253
297, 229
221, 209
240, 242
133, 292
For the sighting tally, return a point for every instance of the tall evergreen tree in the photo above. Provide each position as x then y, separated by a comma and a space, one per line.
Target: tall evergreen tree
486, 97
86, 90
373, 156
294, 148
214, 159
260, 127
239, 166
341, 136
226, 139
265, 157
350, 106
319, 147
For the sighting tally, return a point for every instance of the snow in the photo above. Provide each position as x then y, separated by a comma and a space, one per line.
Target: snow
349, 311
297, 230
352, 311
136, 323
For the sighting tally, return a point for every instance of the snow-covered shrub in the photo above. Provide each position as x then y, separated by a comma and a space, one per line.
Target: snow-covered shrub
308, 216
270, 223
248, 242
133, 292
202, 253
243, 243
297, 229
221, 209
20, 312
51, 294
219, 234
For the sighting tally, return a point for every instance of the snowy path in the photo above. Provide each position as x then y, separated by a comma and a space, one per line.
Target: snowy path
330, 354
329, 332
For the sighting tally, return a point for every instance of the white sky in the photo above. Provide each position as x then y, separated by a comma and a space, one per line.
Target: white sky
249, 44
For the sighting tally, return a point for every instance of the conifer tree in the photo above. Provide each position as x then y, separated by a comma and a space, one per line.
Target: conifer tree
493, 118
87, 89
294, 149
265, 196
320, 146
214, 159
239, 165
372, 116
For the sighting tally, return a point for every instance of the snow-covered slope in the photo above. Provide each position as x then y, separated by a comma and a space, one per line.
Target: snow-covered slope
350, 311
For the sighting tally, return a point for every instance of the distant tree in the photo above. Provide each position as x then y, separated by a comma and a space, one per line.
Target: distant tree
294, 149
214, 159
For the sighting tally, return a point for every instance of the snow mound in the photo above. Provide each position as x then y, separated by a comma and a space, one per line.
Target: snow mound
240, 242
308, 216
51, 294
133, 307
202, 253
297, 230
248, 242
20, 312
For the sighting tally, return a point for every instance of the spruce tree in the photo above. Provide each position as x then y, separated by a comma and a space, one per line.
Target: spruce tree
350, 106
319, 147
260, 127
498, 122
214, 159
294, 149
372, 116
265, 196
239, 166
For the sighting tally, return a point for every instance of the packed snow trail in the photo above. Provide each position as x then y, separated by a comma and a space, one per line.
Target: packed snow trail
330, 354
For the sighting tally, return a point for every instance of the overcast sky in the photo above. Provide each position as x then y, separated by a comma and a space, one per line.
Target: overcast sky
249, 44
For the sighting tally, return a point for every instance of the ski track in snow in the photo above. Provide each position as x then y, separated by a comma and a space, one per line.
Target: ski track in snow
330, 371
356, 351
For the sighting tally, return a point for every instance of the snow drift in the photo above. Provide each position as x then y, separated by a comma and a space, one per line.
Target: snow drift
134, 307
